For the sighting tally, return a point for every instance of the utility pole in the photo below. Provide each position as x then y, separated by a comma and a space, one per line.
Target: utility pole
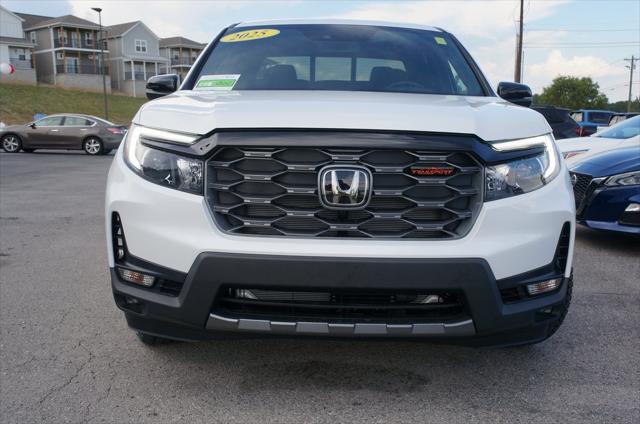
518, 70
104, 77
631, 66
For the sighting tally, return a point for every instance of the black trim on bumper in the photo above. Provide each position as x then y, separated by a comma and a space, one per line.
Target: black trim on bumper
185, 317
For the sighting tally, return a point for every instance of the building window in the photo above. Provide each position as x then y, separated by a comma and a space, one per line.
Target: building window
88, 38
141, 46
34, 39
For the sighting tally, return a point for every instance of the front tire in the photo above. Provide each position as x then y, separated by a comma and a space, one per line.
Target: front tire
11, 143
93, 146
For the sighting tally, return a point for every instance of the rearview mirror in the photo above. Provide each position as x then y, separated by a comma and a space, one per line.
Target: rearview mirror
161, 85
513, 92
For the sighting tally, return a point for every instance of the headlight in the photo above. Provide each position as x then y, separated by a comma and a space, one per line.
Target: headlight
522, 175
163, 168
626, 179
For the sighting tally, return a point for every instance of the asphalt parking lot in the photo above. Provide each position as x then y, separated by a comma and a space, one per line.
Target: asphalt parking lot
67, 355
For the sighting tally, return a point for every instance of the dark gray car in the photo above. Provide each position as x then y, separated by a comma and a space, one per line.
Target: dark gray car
64, 131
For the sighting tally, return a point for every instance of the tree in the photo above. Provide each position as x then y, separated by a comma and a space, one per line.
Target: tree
621, 106
573, 93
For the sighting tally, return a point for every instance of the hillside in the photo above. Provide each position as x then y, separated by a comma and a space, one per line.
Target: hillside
18, 103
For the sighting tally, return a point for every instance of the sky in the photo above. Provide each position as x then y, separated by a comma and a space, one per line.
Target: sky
561, 37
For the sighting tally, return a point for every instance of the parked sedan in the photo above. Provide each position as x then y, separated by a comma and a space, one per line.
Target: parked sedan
607, 190
63, 131
624, 134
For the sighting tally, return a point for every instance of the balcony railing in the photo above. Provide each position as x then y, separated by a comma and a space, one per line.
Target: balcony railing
79, 69
20, 64
139, 75
182, 61
78, 44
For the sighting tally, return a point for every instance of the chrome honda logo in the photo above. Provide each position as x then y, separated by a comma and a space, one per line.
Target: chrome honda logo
344, 187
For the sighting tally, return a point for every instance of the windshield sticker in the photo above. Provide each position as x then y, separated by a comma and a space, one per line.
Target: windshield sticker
254, 34
441, 41
217, 82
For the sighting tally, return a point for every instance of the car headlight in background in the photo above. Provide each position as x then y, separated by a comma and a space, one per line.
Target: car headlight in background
160, 167
626, 179
522, 175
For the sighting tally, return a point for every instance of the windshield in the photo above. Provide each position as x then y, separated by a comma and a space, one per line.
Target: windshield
626, 129
338, 57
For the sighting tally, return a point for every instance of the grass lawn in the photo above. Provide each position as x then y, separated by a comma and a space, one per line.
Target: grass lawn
18, 103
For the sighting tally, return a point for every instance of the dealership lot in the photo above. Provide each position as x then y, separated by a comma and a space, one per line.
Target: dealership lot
67, 356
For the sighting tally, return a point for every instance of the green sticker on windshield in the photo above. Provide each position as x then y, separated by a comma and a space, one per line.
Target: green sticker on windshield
441, 41
217, 82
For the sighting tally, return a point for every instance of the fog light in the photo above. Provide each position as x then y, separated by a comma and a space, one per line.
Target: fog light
245, 294
137, 277
543, 286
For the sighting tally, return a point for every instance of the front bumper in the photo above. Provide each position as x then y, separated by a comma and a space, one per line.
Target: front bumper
112, 141
604, 209
193, 314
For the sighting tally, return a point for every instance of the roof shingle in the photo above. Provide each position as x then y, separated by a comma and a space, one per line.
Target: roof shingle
44, 21
180, 42
119, 29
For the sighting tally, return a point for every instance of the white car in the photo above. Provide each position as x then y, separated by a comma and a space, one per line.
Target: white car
339, 179
623, 134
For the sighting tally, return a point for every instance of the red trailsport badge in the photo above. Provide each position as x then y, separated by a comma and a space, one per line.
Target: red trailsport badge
432, 171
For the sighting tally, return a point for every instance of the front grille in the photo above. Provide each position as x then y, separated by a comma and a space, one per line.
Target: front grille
332, 305
581, 183
274, 191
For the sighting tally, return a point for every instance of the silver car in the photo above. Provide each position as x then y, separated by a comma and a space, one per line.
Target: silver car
64, 131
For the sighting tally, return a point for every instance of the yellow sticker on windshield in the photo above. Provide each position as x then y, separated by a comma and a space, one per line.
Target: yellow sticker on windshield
254, 34
441, 41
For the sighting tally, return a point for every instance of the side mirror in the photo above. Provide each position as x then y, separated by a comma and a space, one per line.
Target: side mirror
33, 125
513, 92
161, 85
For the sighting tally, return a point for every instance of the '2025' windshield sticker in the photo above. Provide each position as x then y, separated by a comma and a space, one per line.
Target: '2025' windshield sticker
217, 82
252, 34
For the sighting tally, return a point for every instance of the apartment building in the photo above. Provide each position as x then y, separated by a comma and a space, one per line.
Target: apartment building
16, 49
66, 51
182, 52
134, 57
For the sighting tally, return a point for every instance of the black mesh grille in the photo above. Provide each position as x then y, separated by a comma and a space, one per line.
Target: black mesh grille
580, 185
335, 305
274, 191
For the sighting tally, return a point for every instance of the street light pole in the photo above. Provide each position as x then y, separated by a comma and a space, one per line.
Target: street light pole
104, 77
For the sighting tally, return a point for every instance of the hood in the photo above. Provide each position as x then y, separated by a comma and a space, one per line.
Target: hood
489, 118
579, 143
10, 128
613, 162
